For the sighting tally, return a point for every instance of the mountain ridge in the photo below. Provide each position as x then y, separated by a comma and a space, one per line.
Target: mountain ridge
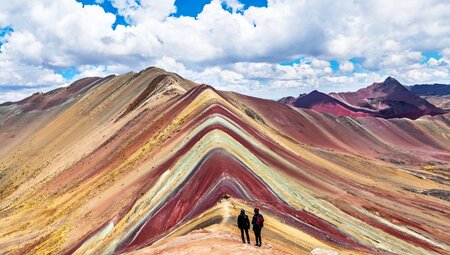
437, 94
388, 99
435, 89
87, 180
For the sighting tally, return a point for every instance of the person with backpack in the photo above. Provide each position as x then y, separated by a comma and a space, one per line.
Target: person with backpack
258, 224
243, 224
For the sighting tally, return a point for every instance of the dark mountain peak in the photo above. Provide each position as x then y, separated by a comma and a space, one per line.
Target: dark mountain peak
391, 80
313, 98
316, 93
389, 85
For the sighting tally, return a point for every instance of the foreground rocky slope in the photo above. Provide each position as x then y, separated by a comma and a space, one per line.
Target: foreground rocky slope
138, 161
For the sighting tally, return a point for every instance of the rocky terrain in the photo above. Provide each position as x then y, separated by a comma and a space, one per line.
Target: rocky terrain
151, 163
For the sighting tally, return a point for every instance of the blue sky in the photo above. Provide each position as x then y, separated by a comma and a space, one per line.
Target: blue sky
256, 47
193, 8
4, 31
188, 8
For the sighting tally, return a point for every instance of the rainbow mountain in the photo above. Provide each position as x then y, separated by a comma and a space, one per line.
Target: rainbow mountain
151, 163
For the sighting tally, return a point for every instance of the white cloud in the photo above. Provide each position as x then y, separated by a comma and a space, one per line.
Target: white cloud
285, 29
346, 67
24, 46
15, 72
400, 59
139, 11
235, 5
237, 50
91, 71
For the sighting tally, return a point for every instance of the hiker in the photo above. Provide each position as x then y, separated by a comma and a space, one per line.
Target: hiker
243, 224
258, 224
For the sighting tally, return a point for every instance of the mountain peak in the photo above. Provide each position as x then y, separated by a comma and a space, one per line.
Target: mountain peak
392, 82
313, 98
316, 93
389, 86
391, 79
387, 99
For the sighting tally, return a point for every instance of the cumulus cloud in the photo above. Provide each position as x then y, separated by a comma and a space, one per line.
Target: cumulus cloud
238, 49
235, 5
346, 67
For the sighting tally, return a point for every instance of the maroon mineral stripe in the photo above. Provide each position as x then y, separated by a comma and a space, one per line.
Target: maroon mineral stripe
271, 145
391, 231
403, 220
217, 164
218, 109
406, 201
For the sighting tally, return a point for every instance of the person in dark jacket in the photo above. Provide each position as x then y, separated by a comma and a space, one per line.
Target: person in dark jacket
258, 224
243, 224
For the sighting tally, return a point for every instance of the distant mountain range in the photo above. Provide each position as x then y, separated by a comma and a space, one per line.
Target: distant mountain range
437, 94
430, 89
388, 99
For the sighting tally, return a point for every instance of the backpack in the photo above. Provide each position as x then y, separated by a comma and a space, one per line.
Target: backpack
259, 221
